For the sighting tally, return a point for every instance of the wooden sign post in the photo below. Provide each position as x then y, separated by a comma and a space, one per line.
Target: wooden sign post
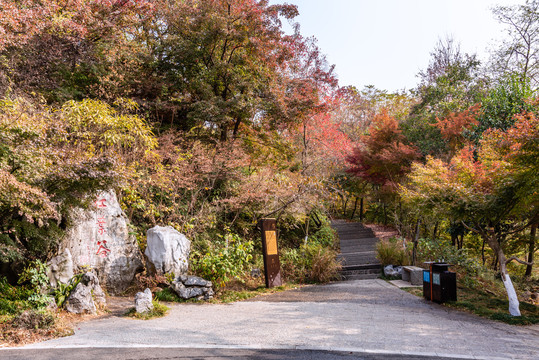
272, 266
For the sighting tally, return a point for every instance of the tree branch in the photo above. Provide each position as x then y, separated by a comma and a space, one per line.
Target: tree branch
517, 260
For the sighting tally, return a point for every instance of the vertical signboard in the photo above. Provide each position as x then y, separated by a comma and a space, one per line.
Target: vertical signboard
272, 266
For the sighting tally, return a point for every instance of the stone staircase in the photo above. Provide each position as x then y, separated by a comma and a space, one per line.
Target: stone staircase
358, 251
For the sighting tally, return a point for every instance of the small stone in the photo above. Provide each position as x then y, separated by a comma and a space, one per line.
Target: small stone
81, 299
143, 301
256, 273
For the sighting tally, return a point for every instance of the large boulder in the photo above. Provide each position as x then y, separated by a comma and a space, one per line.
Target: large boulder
167, 250
99, 238
83, 298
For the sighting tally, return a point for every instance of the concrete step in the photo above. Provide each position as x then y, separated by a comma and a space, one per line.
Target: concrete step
359, 242
373, 266
360, 277
358, 251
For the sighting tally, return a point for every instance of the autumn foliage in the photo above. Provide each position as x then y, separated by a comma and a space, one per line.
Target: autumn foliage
383, 157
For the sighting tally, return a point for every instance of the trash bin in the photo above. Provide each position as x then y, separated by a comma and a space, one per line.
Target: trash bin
439, 284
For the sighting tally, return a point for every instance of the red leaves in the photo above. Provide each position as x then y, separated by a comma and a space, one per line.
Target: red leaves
383, 157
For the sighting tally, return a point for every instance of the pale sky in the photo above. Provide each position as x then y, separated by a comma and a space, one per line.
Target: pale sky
385, 43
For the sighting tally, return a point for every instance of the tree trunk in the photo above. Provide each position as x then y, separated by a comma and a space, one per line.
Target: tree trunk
306, 231
531, 250
344, 208
361, 210
435, 231
483, 252
509, 288
355, 208
224, 133
416, 240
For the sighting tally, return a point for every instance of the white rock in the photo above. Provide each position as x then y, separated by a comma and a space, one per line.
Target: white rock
143, 301
168, 250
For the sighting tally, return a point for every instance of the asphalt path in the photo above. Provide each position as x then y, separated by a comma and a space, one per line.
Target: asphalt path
190, 353
367, 319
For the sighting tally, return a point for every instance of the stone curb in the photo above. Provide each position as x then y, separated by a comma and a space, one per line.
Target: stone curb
262, 347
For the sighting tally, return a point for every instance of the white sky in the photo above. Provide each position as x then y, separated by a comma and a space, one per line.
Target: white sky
385, 43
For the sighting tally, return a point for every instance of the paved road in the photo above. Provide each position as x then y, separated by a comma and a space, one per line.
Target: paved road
190, 353
362, 317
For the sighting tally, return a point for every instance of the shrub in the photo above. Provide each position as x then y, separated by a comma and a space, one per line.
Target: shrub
13, 299
391, 252
223, 260
36, 275
61, 293
33, 319
324, 266
442, 250
310, 263
325, 236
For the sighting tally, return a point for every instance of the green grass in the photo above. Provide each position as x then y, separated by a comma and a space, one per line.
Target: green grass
228, 296
488, 305
167, 295
159, 310
224, 295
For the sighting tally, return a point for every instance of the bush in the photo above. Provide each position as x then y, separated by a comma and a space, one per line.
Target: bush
36, 275
325, 236
223, 260
33, 319
13, 299
391, 252
442, 250
310, 263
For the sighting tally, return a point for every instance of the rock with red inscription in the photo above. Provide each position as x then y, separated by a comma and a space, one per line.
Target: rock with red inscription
99, 238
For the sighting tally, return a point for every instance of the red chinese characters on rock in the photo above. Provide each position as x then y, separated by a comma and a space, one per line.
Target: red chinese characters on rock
102, 248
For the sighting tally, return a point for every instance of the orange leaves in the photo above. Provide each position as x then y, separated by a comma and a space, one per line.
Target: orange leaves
454, 125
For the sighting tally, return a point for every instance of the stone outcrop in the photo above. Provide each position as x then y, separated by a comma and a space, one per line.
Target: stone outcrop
60, 268
86, 294
167, 251
188, 287
99, 239
143, 301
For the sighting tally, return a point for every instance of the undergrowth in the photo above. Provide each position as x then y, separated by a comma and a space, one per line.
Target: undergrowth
159, 310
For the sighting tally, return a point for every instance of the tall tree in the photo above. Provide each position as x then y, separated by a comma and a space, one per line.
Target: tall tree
519, 53
382, 157
493, 195
451, 83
